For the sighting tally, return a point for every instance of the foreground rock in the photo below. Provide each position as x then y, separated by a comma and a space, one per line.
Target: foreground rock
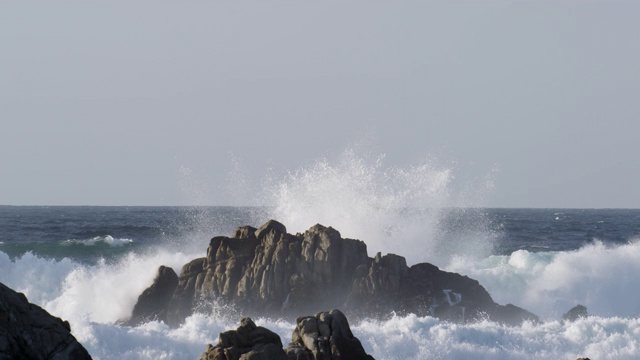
29, 332
326, 336
267, 271
248, 341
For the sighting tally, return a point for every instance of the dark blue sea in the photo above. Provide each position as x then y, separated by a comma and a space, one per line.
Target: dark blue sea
88, 265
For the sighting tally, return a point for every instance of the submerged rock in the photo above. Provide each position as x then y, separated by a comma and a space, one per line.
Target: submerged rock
29, 332
267, 271
576, 312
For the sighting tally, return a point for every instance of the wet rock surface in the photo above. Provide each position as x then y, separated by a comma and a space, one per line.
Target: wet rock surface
29, 332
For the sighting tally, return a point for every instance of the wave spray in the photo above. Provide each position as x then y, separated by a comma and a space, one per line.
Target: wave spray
406, 210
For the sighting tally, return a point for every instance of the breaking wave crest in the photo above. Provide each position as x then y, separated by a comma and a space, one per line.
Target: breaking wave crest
398, 209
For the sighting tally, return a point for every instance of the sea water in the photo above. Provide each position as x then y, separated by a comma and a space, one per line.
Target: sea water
88, 265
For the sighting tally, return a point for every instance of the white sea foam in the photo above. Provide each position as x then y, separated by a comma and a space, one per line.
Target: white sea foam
602, 278
413, 337
398, 209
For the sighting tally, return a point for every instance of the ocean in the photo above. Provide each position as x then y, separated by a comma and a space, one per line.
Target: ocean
88, 265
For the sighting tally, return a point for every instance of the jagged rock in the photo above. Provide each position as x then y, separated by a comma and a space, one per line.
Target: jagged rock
576, 312
29, 332
267, 271
247, 342
326, 336
184, 298
152, 304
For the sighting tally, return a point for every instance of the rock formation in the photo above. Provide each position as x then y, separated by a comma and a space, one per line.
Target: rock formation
576, 312
29, 332
267, 271
326, 336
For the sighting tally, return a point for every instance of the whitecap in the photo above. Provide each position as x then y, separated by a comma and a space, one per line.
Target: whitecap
107, 239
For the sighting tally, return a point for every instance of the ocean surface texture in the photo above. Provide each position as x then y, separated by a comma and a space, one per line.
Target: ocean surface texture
88, 265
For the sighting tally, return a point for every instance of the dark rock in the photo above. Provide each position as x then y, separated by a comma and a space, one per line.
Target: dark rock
247, 342
154, 301
325, 336
269, 272
183, 300
29, 332
576, 312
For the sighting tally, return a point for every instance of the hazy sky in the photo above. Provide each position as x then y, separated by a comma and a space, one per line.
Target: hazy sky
147, 103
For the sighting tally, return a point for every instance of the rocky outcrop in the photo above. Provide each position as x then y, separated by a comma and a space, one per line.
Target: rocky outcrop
29, 332
154, 301
576, 312
248, 341
325, 336
267, 271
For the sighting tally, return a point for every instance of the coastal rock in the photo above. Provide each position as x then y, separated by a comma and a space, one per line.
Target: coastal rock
325, 336
576, 312
184, 299
269, 272
29, 332
152, 304
247, 342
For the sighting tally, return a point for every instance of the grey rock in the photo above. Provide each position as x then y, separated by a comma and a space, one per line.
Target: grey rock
183, 300
154, 301
29, 332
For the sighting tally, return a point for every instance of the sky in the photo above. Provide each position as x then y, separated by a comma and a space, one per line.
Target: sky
185, 103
